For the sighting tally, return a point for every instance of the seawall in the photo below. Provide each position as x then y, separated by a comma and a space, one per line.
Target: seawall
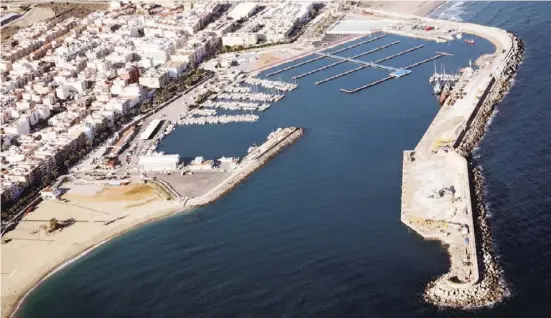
442, 197
250, 164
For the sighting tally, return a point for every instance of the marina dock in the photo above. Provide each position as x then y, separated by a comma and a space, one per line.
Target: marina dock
399, 53
320, 57
343, 61
397, 73
364, 66
341, 74
371, 64
438, 54
355, 90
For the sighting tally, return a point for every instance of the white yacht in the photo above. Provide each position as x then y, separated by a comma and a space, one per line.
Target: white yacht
437, 88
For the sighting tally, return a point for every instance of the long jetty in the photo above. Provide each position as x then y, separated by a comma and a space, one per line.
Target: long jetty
364, 66
424, 61
320, 57
355, 90
341, 74
399, 53
343, 61
253, 161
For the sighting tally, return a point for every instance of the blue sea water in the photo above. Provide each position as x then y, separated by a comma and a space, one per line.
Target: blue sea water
316, 232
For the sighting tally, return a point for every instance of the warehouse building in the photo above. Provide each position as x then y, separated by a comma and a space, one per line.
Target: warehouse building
159, 162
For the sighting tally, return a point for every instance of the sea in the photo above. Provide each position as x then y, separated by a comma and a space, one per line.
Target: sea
316, 232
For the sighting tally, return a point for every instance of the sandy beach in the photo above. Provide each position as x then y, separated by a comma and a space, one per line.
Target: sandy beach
421, 8
100, 212
32, 253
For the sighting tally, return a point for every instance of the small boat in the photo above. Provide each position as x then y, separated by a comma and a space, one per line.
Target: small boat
445, 93
434, 75
437, 88
469, 41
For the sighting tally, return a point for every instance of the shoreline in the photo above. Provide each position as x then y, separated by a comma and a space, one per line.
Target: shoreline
275, 145
10, 308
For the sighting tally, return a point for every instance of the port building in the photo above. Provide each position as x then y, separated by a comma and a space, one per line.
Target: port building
159, 162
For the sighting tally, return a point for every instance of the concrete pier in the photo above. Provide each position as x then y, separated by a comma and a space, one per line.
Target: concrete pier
341, 75
355, 90
399, 53
343, 61
276, 142
294, 66
359, 43
350, 91
424, 61
320, 57
439, 198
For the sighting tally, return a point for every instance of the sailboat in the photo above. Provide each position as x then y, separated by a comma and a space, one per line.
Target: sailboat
437, 88
434, 75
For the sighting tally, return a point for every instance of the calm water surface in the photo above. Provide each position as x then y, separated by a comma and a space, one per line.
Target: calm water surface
316, 232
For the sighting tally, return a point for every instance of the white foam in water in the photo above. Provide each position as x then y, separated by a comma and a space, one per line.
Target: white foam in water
452, 12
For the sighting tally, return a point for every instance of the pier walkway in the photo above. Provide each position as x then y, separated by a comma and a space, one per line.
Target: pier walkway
343, 61
440, 54
399, 54
355, 90
320, 57
364, 66
370, 64
399, 73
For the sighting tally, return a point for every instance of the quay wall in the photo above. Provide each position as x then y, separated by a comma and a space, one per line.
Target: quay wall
492, 287
500, 89
489, 287
243, 172
475, 114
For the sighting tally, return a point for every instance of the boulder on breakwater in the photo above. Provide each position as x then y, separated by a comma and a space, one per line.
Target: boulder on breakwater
491, 288
291, 135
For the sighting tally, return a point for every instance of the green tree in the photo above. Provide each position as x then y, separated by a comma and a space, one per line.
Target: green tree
53, 225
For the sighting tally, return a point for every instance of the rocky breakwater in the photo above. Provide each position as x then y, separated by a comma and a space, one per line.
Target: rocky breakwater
491, 287
257, 157
500, 88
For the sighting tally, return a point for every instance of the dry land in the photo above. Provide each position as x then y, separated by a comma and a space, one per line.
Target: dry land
100, 212
421, 8
55, 12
